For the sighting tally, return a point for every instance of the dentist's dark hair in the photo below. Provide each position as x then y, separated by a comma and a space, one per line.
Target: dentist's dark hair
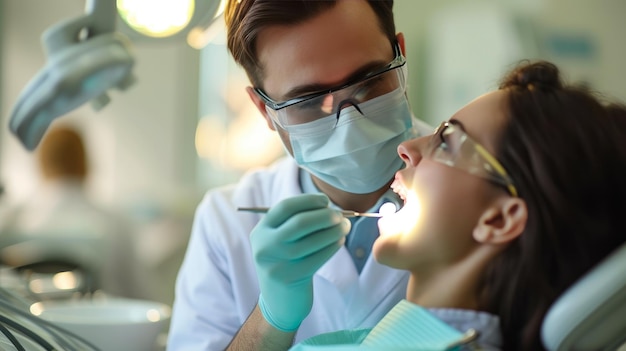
564, 149
245, 19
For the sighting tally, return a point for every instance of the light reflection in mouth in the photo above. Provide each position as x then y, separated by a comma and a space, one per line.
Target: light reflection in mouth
387, 208
406, 219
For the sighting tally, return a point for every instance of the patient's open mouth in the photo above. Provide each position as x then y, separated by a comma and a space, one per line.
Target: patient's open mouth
406, 219
399, 188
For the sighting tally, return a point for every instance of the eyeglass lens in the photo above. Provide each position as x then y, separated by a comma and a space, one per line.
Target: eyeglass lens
450, 145
326, 105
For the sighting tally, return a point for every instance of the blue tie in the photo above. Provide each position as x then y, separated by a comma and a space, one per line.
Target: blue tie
361, 238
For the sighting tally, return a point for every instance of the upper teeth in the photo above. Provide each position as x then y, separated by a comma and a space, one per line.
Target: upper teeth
399, 189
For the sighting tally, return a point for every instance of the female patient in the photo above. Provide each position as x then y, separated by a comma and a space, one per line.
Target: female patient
507, 204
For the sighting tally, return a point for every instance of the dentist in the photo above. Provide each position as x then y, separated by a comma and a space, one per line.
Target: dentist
330, 78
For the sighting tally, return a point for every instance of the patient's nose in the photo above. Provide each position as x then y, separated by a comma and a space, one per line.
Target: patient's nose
410, 151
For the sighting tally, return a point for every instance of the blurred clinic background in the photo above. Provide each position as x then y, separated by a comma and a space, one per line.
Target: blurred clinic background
187, 124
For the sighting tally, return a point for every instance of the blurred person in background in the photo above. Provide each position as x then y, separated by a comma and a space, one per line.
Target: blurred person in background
61, 222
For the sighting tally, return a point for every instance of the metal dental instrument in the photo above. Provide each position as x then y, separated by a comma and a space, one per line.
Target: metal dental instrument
345, 213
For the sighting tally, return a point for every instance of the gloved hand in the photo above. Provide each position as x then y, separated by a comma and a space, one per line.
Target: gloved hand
290, 243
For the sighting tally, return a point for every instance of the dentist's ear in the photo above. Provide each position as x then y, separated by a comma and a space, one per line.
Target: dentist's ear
260, 105
502, 222
400, 39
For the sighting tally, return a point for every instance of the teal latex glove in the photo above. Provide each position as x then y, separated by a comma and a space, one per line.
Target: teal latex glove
290, 243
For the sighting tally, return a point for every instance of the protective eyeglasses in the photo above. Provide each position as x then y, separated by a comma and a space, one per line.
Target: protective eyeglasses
312, 107
451, 146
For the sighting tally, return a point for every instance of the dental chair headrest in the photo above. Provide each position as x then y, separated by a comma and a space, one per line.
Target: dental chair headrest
591, 314
77, 70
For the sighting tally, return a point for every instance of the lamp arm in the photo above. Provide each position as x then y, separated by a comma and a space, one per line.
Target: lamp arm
103, 13
99, 18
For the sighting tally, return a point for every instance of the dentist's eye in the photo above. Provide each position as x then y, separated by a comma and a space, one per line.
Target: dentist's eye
312, 104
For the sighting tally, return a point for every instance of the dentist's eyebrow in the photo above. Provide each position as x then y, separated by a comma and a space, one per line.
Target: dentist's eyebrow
306, 89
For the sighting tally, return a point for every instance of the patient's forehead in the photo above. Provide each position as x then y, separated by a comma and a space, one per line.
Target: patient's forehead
485, 117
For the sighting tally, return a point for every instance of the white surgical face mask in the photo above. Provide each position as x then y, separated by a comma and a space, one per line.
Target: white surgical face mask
360, 154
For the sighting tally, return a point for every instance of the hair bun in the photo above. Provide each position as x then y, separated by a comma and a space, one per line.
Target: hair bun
539, 75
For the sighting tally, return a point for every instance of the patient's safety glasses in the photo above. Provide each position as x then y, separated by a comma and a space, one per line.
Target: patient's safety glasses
312, 107
451, 146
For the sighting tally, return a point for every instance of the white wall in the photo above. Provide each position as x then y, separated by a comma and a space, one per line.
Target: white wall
600, 21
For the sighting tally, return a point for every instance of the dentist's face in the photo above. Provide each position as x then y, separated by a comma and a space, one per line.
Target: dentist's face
321, 53
443, 203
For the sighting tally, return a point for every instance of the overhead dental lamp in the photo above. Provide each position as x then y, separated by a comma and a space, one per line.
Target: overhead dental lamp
85, 58
156, 18
176, 20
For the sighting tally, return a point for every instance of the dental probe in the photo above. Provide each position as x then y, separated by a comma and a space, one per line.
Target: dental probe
345, 213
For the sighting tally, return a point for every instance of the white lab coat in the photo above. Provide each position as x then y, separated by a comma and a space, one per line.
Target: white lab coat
217, 286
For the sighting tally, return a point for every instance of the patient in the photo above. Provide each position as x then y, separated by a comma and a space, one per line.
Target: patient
511, 201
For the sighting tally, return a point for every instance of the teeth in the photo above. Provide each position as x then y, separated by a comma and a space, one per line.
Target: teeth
399, 189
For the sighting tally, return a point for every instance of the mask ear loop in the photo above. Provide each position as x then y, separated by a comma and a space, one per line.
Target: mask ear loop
344, 103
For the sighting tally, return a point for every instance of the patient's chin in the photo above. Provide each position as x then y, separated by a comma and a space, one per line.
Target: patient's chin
386, 249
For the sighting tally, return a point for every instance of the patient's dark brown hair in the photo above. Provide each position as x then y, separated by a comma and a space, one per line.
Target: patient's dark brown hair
565, 150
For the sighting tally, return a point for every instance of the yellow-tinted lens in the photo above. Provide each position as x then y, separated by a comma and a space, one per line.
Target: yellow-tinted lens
450, 145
